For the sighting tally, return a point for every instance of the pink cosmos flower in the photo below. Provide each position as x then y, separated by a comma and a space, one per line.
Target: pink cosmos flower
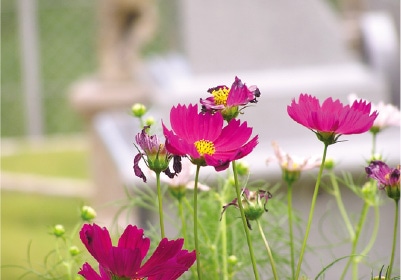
331, 119
124, 261
389, 115
387, 178
227, 100
202, 137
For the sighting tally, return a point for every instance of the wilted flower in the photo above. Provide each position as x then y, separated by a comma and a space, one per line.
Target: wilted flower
124, 261
253, 202
227, 100
331, 119
387, 178
292, 166
157, 157
389, 115
202, 137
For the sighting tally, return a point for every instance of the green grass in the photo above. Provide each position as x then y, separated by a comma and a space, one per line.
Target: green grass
26, 219
71, 164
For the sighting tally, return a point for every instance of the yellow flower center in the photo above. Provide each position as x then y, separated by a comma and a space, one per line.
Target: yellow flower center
220, 96
205, 147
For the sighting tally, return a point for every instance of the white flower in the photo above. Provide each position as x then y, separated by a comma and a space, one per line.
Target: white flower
293, 163
389, 115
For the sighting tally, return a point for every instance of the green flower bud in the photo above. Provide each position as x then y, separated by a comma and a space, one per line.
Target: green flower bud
329, 164
87, 213
138, 110
58, 230
74, 250
232, 260
177, 191
149, 121
242, 168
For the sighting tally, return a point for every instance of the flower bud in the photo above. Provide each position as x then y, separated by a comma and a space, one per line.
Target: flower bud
74, 250
149, 121
232, 260
329, 164
58, 230
242, 168
138, 110
87, 213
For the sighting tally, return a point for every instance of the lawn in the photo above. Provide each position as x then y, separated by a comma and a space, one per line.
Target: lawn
26, 218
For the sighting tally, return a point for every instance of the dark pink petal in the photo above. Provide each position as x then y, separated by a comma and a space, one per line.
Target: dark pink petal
124, 262
137, 170
97, 241
133, 238
239, 94
233, 136
157, 263
90, 274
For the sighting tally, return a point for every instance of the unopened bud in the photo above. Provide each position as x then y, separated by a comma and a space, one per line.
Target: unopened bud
329, 164
149, 121
58, 230
74, 250
232, 260
138, 110
87, 213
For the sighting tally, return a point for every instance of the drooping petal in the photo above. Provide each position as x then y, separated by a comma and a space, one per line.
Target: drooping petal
137, 170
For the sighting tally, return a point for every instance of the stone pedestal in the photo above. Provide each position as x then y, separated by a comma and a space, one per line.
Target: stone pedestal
91, 97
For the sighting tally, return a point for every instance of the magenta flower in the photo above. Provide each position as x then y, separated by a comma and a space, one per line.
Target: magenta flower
154, 155
331, 119
387, 178
124, 261
227, 100
202, 137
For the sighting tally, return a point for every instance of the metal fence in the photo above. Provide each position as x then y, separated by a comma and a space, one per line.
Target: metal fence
65, 53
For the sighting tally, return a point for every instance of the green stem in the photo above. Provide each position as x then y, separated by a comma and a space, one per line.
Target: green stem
340, 205
183, 221
198, 265
244, 222
312, 209
273, 264
290, 219
159, 196
373, 144
352, 258
374, 232
394, 239
223, 227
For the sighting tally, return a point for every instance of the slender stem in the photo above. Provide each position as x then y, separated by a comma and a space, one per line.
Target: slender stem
394, 238
269, 252
223, 227
373, 144
290, 220
352, 258
159, 196
374, 232
340, 205
244, 222
183, 221
312, 209
198, 265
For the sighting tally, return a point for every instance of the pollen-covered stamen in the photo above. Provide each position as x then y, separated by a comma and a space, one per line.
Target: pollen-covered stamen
205, 147
220, 95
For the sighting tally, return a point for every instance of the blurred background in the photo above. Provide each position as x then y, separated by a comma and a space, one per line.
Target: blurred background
70, 71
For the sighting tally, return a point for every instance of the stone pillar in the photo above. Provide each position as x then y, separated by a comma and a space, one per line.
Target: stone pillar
124, 27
